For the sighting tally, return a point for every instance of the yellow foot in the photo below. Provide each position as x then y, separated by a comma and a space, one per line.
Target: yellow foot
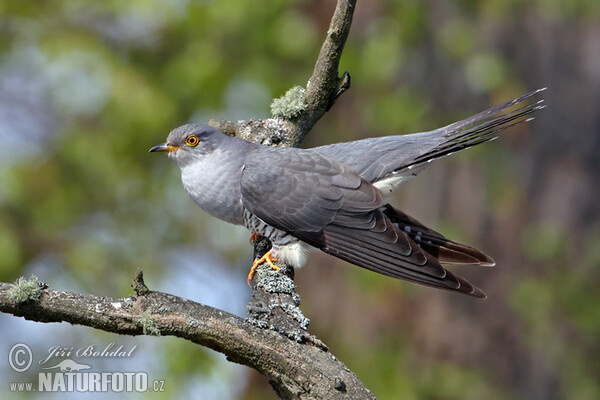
253, 237
268, 258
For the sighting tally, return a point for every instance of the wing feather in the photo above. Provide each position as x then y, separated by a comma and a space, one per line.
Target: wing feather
327, 205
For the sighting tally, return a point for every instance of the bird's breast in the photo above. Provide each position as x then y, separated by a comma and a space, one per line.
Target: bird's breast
215, 187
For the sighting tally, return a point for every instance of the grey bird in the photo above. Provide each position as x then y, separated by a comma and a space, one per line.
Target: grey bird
333, 197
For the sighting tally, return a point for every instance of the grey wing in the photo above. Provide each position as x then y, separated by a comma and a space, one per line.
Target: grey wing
327, 205
376, 159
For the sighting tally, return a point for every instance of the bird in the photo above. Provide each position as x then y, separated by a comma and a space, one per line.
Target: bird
335, 197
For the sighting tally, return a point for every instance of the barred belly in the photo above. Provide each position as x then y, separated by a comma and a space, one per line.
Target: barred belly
286, 247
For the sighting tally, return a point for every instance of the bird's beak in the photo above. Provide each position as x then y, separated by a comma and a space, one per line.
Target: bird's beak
163, 147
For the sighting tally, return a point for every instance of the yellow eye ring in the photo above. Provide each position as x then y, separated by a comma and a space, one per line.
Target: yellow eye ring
192, 140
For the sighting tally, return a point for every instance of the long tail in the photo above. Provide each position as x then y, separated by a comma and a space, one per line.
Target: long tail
401, 157
479, 128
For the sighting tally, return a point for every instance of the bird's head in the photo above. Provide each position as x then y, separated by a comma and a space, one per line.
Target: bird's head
190, 142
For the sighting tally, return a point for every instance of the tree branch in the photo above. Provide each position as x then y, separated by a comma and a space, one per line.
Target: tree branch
298, 365
290, 366
324, 86
322, 89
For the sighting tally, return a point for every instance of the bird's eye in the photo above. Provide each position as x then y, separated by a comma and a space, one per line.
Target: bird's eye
192, 140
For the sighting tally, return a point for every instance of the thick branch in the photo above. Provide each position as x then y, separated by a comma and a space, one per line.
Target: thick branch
298, 365
291, 366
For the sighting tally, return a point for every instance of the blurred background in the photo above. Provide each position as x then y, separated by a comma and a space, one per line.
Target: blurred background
86, 88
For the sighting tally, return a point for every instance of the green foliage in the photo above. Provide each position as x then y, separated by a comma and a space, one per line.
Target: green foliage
11, 252
400, 112
545, 242
485, 71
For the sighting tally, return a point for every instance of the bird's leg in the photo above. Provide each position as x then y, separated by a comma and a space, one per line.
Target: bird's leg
268, 258
253, 237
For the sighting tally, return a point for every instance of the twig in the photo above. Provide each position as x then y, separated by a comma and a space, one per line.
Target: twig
322, 89
324, 86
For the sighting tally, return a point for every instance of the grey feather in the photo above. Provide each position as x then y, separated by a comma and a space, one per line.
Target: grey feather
330, 197
377, 158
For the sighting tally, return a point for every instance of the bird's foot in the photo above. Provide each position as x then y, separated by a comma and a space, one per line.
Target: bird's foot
253, 237
268, 258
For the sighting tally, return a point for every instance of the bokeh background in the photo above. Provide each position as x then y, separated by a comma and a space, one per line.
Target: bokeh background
86, 88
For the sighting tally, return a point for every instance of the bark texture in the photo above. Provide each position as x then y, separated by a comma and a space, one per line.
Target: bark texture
273, 339
290, 366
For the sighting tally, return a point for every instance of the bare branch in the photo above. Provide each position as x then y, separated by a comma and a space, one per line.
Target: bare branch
323, 88
291, 366
324, 85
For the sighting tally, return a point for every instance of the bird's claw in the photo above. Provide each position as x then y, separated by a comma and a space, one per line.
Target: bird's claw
268, 258
253, 237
